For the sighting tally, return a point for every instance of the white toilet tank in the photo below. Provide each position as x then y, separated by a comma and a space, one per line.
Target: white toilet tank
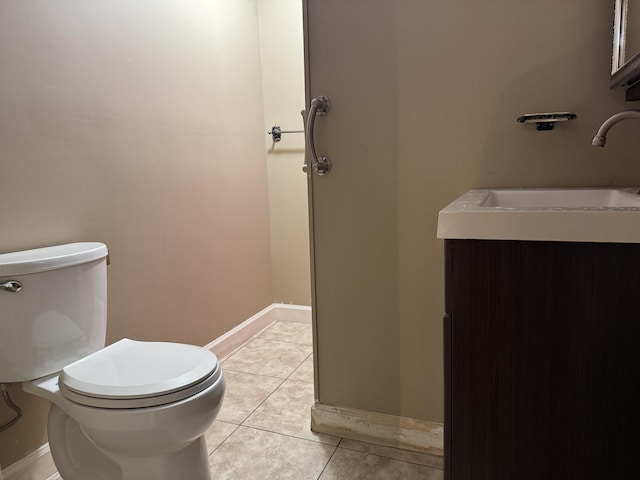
53, 308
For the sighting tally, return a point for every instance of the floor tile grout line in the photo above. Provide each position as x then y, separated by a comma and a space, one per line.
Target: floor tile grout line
244, 424
262, 403
255, 374
273, 376
245, 372
415, 452
258, 335
282, 380
329, 460
264, 333
292, 436
297, 381
294, 370
306, 344
278, 338
225, 438
388, 457
227, 422
276, 341
264, 340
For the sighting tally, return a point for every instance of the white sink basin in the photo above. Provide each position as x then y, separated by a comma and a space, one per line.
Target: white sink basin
562, 214
563, 198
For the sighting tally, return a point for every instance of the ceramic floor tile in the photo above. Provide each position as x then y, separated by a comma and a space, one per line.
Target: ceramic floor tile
243, 394
292, 332
267, 357
304, 373
288, 411
255, 454
433, 461
347, 464
218, 433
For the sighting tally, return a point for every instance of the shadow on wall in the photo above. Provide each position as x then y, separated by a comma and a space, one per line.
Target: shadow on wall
278, 150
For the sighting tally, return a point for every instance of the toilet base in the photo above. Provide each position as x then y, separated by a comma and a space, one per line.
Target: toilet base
191, 462
85, 461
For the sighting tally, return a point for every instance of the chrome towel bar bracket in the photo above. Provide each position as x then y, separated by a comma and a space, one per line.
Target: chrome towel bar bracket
276, 132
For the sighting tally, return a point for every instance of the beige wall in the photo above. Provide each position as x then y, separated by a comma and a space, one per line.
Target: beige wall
283, 76
139, 124
425, 99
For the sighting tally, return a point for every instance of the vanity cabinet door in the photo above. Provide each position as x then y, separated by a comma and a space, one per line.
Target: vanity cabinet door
542, 346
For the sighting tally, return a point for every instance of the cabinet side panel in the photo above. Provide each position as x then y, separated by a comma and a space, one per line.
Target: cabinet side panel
449, 282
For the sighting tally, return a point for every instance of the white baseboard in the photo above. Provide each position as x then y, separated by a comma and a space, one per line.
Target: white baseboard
292, 313
379, 428
38, 465
234, 338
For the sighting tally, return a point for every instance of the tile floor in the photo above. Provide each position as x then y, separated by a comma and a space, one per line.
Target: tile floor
262, 430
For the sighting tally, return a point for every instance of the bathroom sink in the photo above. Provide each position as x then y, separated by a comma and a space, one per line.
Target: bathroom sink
563, 198
552, 214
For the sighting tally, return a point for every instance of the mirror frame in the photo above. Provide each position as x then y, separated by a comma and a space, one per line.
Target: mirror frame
623, 72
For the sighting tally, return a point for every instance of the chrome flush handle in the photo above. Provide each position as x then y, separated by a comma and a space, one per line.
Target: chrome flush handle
319, 106
12, 286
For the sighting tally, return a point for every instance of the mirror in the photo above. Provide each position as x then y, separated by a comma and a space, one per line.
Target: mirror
625, 67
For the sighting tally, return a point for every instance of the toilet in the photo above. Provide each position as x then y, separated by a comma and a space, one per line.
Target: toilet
128, 411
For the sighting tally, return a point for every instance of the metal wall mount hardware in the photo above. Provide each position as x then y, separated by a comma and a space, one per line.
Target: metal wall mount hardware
546, 121
276, 132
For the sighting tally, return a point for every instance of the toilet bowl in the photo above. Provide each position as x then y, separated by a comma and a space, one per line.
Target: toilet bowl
129, 411
126, 408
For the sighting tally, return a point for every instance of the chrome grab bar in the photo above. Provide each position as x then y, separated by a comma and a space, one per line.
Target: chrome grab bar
319, 106
12, 286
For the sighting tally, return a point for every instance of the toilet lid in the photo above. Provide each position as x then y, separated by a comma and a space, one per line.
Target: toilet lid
130, 370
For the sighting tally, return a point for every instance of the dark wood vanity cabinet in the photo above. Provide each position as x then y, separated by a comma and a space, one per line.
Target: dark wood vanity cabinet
542, 360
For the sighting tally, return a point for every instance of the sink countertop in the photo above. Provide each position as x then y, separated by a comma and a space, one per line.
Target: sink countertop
569, 215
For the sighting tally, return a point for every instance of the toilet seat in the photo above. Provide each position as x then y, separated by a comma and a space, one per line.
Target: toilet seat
132, 374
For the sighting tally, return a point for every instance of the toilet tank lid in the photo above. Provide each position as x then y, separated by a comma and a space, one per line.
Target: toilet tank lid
50, 258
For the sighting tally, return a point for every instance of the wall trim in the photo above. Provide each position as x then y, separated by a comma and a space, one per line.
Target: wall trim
379, 428
286, 312
237, 336
38, 465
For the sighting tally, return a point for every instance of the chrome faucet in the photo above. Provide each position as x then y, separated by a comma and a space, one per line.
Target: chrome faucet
601, 137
